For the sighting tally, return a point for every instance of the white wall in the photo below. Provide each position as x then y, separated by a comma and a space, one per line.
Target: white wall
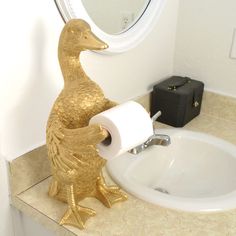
31, 79
30, 75
203, 43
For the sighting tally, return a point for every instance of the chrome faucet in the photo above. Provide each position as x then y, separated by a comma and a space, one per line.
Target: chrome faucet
155, 139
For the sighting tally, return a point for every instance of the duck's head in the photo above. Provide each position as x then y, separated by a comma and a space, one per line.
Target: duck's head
77, 36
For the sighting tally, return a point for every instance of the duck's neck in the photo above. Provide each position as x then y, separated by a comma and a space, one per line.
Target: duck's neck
72, 70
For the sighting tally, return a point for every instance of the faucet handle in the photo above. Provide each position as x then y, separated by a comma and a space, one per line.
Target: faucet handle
158, 114
154, 117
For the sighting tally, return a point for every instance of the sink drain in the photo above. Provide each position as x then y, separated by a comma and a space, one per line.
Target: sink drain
162, 190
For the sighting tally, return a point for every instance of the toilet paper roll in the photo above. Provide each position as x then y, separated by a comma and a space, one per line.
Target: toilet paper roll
129, 125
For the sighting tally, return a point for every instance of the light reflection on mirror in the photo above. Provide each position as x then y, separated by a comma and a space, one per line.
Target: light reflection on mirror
115, 16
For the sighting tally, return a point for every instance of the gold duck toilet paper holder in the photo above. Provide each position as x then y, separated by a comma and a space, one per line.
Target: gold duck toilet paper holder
71, 142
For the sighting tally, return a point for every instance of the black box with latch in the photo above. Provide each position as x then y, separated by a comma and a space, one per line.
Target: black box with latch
178, 98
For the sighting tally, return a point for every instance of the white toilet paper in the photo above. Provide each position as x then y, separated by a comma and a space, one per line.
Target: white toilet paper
129, 125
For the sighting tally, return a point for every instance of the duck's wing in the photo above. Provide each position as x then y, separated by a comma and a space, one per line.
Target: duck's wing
64, 144
83, 139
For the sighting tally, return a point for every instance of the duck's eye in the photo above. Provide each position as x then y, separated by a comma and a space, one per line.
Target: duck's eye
85, 37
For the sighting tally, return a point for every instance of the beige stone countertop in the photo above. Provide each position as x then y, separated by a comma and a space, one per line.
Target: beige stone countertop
136, 217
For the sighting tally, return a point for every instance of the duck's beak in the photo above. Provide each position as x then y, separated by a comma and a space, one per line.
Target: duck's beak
94, 43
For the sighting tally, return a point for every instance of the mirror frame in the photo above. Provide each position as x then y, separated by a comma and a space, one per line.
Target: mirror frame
70, 9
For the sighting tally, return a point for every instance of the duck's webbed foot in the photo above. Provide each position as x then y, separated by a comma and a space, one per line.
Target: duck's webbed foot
76, 215
109, 195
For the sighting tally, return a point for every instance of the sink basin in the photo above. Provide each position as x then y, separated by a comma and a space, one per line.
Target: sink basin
196, 173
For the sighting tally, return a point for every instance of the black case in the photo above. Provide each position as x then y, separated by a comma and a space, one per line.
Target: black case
178, 98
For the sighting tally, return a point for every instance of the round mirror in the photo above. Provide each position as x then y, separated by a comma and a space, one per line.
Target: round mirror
121, 24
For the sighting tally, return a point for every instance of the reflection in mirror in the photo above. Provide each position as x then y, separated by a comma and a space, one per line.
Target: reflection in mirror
113, 16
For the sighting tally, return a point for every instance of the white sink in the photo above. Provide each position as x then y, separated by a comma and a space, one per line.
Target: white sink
196, 172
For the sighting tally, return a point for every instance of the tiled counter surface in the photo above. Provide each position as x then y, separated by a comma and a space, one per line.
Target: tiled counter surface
135, 217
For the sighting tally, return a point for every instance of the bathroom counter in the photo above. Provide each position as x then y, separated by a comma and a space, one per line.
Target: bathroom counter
133, 217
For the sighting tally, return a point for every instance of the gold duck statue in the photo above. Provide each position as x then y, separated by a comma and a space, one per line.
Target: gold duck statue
71, 142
